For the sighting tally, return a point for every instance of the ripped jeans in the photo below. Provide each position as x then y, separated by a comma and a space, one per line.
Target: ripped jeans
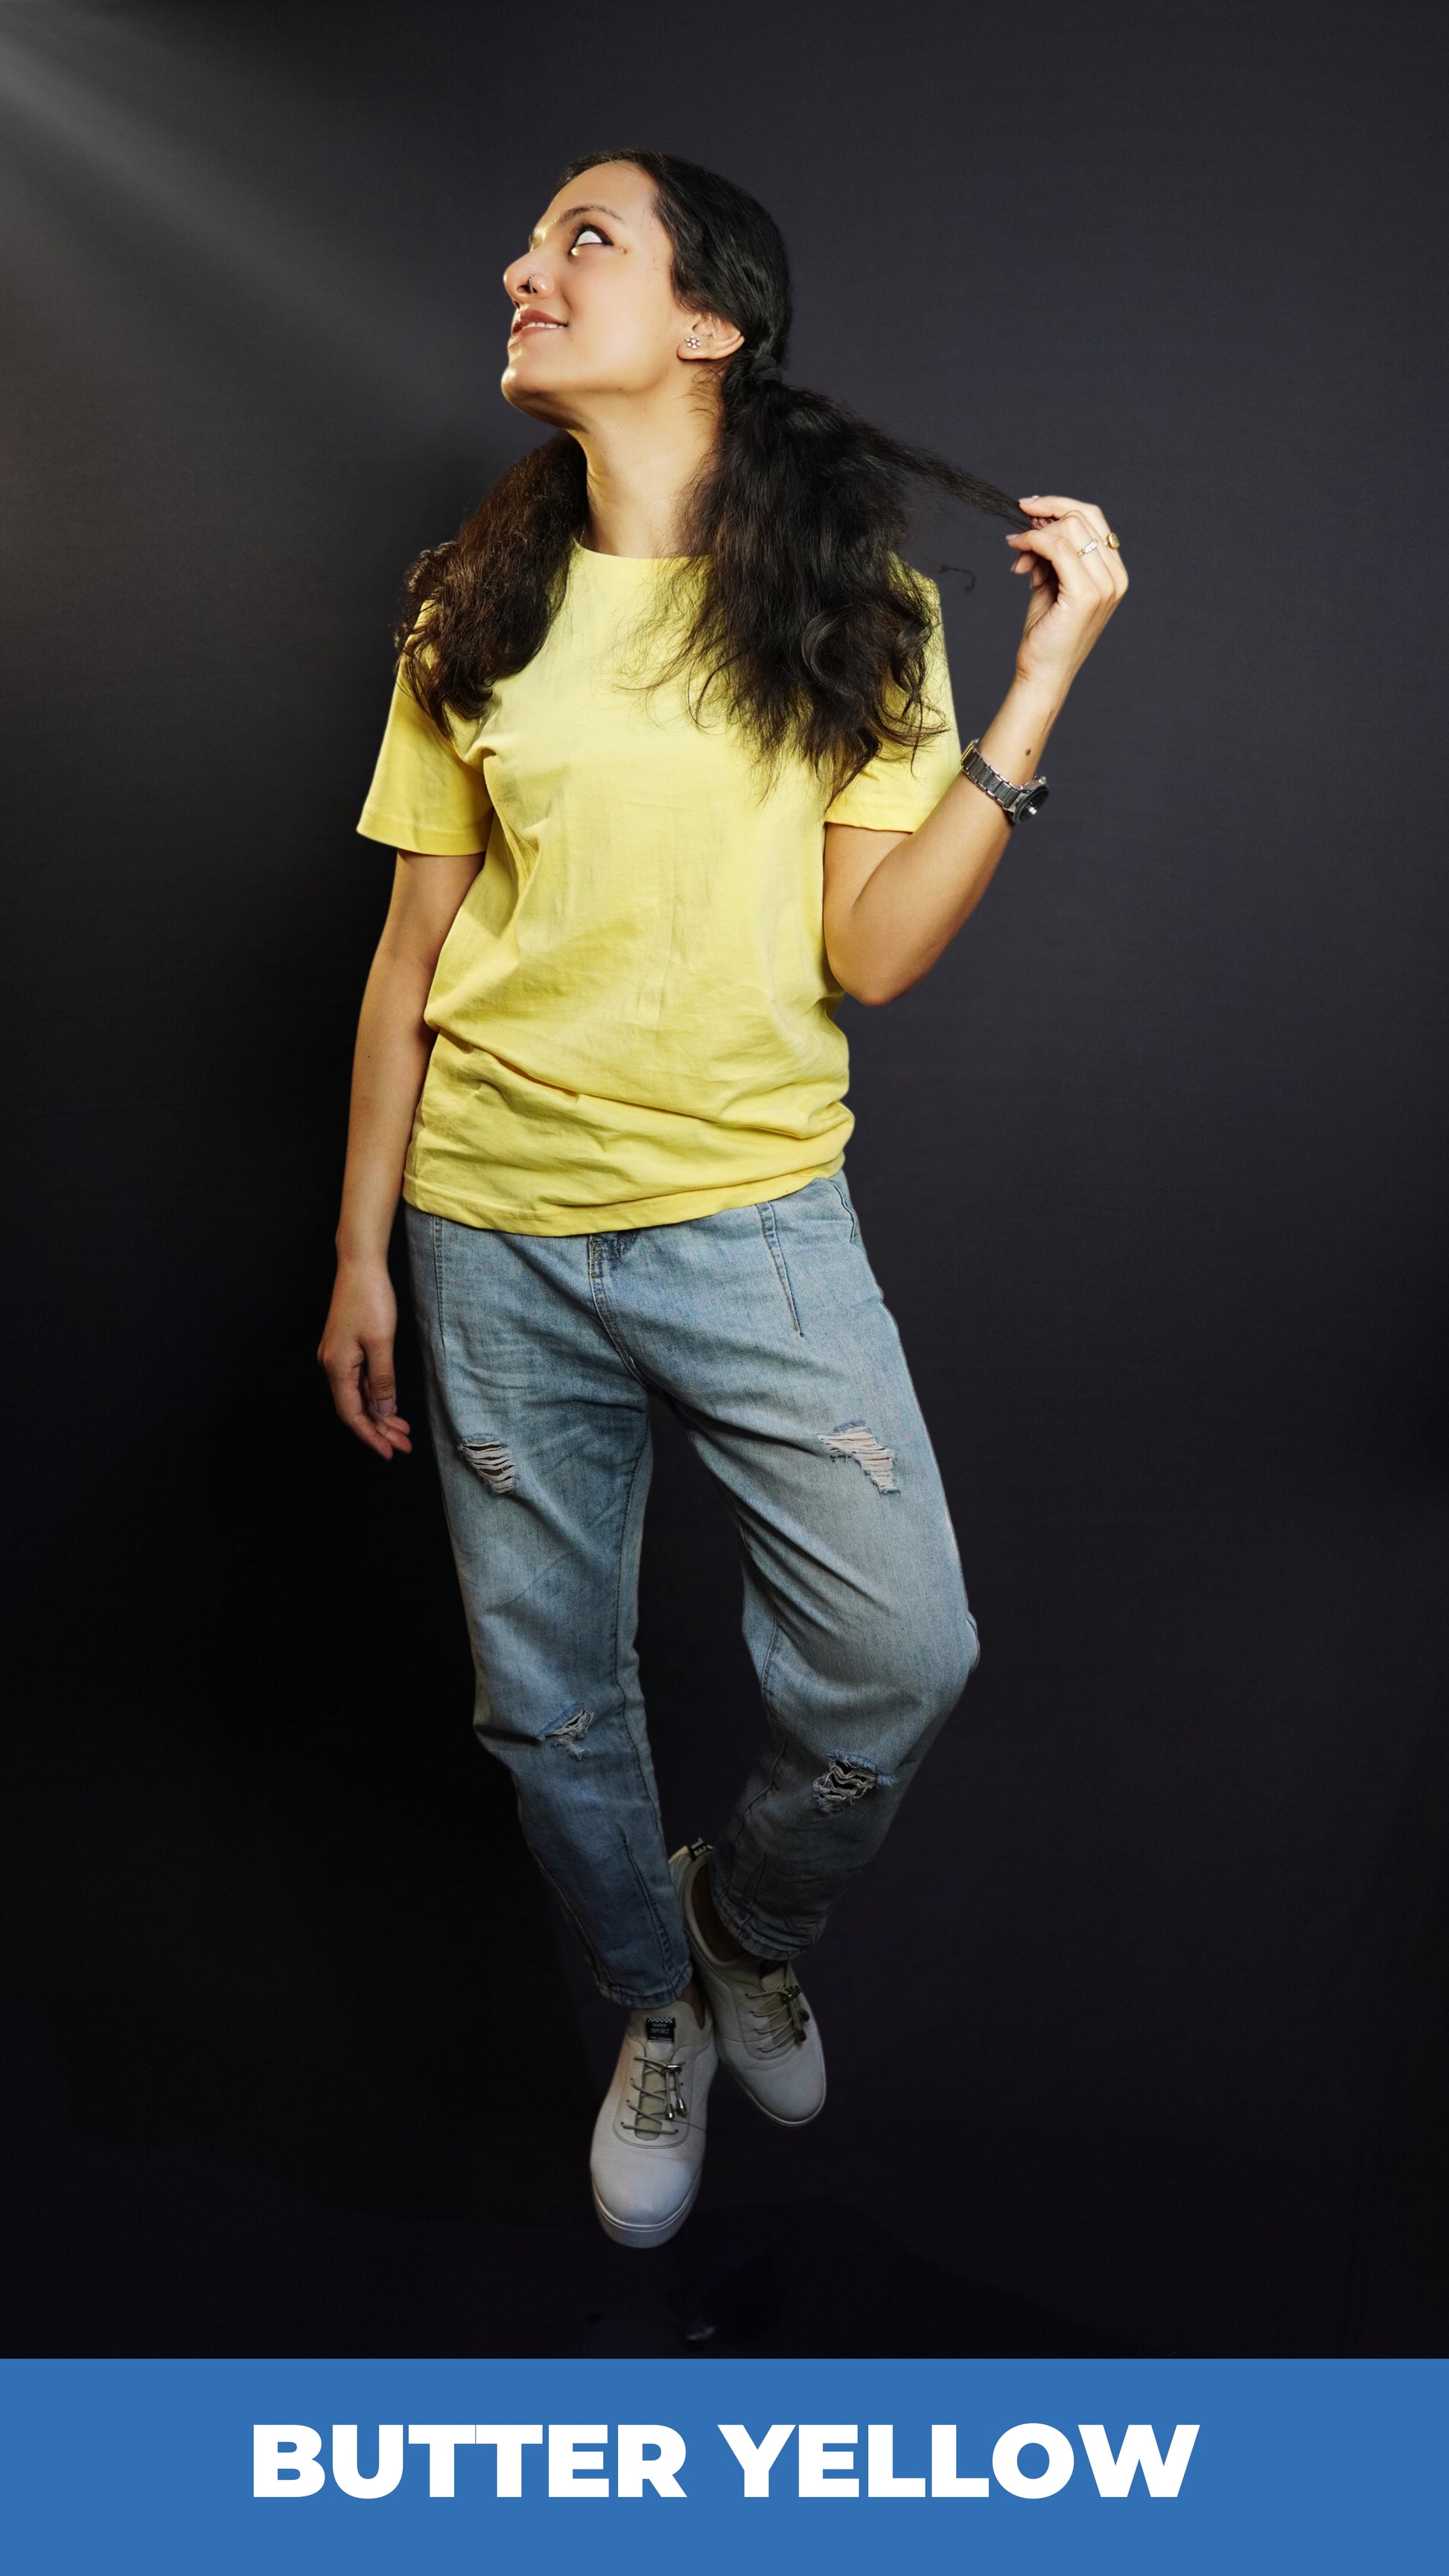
763, 1328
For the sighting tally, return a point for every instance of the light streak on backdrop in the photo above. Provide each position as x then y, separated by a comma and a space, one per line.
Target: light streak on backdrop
102, 116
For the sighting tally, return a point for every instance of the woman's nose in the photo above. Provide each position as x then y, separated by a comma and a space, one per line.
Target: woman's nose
524, 277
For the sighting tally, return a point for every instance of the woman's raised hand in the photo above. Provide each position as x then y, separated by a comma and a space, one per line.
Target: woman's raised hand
1077, 577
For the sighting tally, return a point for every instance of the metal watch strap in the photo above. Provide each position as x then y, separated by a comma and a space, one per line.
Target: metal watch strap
1013, 800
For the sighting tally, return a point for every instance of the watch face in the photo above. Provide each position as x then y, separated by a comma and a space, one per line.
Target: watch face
1030, 803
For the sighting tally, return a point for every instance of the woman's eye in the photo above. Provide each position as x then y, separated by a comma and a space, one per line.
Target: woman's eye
588, 233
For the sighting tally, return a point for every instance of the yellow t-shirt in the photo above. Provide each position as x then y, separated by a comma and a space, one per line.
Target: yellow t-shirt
635, 1018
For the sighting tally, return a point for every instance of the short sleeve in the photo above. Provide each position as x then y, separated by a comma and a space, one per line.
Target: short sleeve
423, 795
897, 790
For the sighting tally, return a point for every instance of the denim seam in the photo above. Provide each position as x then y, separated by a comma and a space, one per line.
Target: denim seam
753, 1935
642, 1883
624, 1521
752, 1886
768, 1228
550, 1881
437, 1231
767, 1788
767, 1659
649, 1797
753, 1889
742, 1928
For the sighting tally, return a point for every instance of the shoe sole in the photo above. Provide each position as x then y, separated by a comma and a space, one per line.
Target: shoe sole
656, 2231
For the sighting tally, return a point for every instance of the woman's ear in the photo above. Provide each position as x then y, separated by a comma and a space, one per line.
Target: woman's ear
710, 336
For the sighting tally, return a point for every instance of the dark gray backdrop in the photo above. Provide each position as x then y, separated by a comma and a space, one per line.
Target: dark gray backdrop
1136, 2028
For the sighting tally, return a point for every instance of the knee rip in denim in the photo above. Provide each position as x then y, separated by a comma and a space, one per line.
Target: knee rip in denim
493, 1461
843, 1782
856, 1440
570, 1731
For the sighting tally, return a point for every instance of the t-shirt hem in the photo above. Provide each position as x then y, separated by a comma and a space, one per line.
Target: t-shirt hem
431, 841
898, 821
674, 1207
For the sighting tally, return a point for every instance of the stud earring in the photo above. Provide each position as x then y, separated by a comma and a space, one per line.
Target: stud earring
693, 341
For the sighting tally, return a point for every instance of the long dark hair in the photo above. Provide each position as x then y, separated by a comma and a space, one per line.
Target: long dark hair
801, 610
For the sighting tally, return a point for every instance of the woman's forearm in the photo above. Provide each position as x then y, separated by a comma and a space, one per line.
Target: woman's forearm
889, 913
913, 902
389, 1064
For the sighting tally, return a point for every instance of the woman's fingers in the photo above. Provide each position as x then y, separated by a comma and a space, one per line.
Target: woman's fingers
1076, 545
1077, 580
1057, 505
379, 1390
1080, 577
352, 1409
1090, 548
394, 1431
364, 1393
381, 1382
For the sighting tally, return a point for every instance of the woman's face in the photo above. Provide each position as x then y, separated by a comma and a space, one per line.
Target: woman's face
595, 312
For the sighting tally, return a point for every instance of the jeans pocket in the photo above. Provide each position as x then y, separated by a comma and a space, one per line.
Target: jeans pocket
836, 1181
771, 1232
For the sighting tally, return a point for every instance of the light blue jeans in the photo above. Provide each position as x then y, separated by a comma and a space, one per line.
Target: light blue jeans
764, 1329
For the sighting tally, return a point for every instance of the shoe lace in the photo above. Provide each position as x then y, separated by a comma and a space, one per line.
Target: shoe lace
778, 2009
656, 2095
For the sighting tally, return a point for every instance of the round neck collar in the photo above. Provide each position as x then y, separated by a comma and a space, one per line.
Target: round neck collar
631, 563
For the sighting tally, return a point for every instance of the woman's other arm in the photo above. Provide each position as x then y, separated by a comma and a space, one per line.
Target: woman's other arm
894, 901
391, 1059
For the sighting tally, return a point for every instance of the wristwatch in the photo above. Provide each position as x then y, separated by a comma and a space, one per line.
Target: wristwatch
1014, 801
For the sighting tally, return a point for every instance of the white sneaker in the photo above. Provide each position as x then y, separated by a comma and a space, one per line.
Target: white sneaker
768, 2036
648, 2151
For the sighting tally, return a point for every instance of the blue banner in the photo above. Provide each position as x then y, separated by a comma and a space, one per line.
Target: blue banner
315, 2466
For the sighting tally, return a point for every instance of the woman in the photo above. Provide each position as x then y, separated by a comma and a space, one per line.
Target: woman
671, 764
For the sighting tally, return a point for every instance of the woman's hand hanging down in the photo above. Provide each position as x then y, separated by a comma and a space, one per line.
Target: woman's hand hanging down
894, 901
393, 1046
356, 1351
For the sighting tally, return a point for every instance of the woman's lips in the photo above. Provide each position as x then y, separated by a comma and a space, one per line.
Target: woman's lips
535, 322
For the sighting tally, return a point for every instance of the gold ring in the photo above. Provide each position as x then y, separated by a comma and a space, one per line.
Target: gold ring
1114, 541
